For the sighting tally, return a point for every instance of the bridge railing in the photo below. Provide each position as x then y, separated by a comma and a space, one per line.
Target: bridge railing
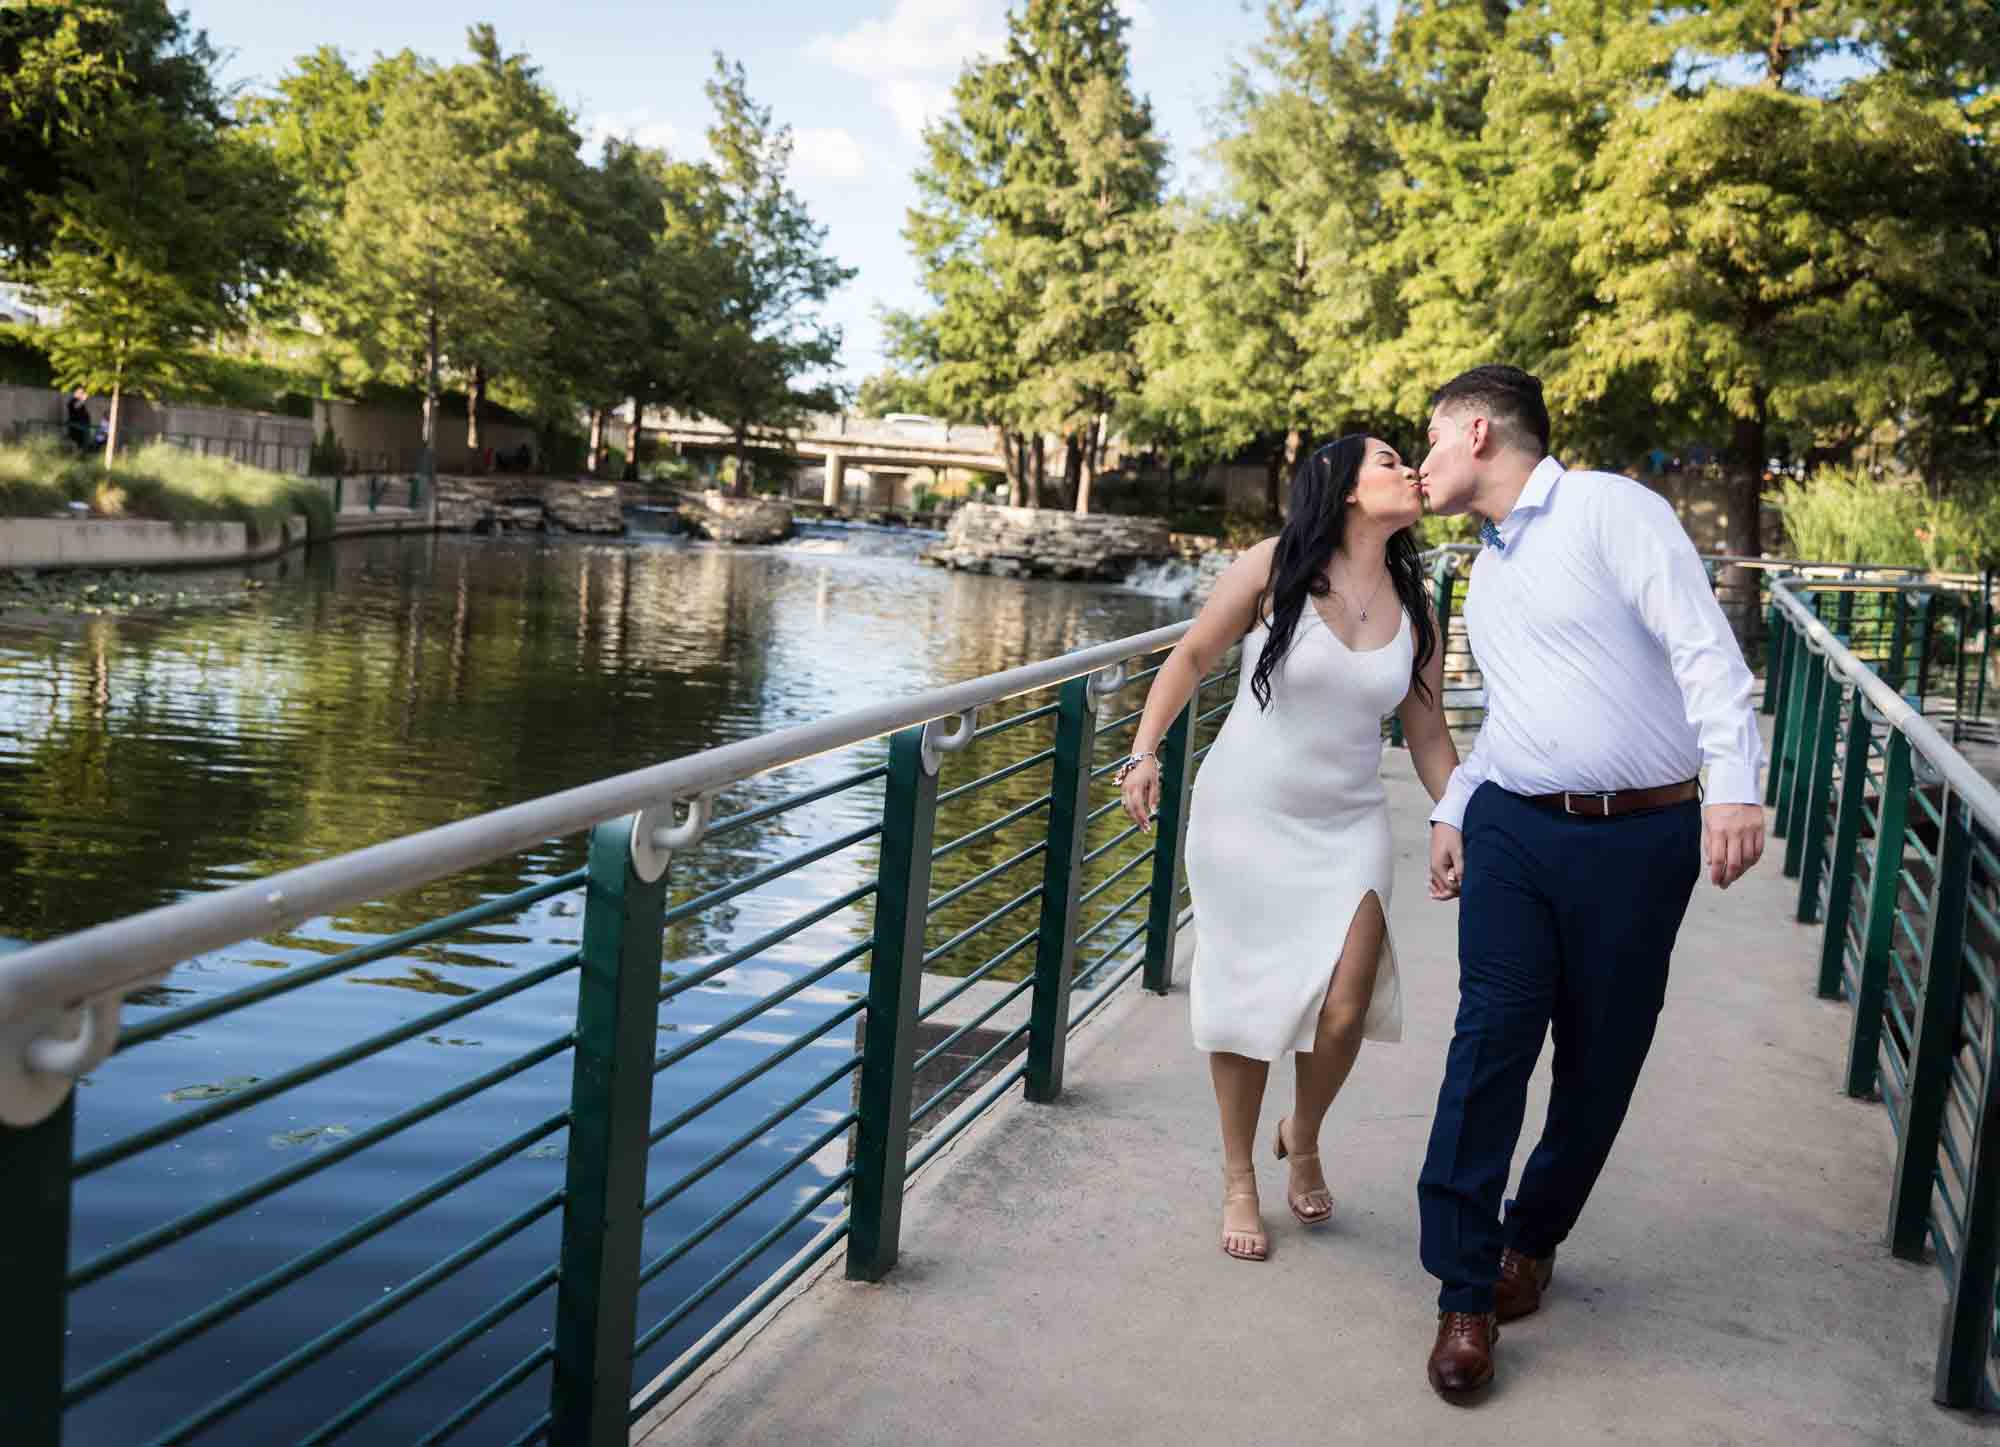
734, 1069
1894, 837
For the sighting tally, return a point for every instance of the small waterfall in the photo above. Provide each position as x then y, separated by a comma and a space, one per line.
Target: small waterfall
645, 519
1171, 578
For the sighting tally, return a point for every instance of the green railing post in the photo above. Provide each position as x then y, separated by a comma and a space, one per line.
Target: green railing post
1985, 640
1899, 644
895, 973
1775, 635
1444, 582
1961, 636
1966, 1342
1878, 931
1062, 879
1935, 1042
1170, 837
1846, 839
339, 491
1926, 621
1798, 678
1811, 840
1786, 647
34, 1256
611, 1100
1805, 756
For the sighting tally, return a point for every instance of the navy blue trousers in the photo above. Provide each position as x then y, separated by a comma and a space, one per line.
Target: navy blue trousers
1566, 925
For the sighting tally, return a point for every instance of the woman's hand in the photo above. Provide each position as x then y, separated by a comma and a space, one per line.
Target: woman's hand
1140, 790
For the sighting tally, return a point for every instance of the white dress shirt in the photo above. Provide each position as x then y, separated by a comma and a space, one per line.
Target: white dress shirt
1608, 664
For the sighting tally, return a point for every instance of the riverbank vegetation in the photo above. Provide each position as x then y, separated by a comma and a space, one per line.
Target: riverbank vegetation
157, 482
1845, 515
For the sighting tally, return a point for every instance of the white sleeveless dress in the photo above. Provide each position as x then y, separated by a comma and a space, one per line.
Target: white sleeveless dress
1288, 832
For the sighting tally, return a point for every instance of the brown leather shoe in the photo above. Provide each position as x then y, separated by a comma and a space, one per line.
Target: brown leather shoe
1523, 1279
1462, 1359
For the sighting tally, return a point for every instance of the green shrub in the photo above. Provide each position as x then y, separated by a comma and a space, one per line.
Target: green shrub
157, 482
329, 458
1844, 516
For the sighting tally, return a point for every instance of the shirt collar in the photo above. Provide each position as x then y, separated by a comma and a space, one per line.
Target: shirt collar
1541, 482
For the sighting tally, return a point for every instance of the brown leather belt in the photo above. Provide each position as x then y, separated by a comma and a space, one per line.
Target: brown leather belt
1624, 801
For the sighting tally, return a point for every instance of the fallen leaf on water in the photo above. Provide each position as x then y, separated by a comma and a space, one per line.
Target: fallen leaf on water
212, 1092
311, 1135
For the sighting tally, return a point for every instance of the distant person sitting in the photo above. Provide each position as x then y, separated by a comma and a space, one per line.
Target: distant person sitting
76, 420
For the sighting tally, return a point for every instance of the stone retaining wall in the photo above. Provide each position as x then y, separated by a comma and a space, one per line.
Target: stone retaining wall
51, 543
1043, 543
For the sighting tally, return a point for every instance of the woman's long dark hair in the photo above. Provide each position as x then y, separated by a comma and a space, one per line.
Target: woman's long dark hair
1313, 529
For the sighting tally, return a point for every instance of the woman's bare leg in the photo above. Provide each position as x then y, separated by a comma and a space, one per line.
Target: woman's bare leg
1336, 1041
1239, 1097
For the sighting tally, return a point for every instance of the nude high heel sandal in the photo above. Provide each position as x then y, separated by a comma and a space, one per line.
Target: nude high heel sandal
1262, 1248
1307, 1219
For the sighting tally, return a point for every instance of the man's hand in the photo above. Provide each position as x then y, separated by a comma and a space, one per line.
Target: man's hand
1732, 840
1448, 861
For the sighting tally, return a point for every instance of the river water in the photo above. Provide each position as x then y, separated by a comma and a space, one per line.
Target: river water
369, 689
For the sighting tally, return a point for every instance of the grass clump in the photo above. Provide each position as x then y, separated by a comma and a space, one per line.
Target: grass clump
157, 482
1844, 515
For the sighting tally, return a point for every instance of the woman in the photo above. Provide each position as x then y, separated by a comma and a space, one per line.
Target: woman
1288, 849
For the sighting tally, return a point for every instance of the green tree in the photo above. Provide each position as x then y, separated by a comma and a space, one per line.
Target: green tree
1039, 214
767, 346
890, 391
444, 254
1262, 302
142, 272
67, 73
315, 124
660, 278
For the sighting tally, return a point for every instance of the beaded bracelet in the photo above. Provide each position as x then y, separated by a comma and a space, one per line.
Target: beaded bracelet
1130, 762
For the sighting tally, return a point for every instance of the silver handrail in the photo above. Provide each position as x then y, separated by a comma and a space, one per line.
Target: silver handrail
1953, 767
120, 955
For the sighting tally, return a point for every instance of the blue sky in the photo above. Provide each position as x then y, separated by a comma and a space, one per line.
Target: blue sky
854, 79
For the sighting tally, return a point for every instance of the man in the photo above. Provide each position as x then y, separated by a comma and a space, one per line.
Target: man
76, 420
1574, 829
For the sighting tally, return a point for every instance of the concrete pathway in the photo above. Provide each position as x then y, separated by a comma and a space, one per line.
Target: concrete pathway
1061, 1282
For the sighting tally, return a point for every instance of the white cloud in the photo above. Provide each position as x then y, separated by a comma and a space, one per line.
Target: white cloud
912, 55
829, 152
639, 125
1140, 13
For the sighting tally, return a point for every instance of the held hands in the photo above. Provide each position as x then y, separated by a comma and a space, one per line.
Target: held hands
1447, 861
1139, 788
1732, 840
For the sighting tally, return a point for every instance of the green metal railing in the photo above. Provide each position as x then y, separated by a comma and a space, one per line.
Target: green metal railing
996, 900
1894, 838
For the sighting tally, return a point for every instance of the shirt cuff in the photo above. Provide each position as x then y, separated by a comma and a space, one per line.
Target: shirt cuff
1729, 782
1451, 808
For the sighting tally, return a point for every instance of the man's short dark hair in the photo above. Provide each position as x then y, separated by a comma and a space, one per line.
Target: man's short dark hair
1510, 397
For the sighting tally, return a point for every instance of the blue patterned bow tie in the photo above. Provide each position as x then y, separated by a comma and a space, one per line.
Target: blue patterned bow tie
1490, 535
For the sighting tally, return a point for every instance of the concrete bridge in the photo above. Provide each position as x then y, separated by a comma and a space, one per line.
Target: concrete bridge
888, 449
1060, 1278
